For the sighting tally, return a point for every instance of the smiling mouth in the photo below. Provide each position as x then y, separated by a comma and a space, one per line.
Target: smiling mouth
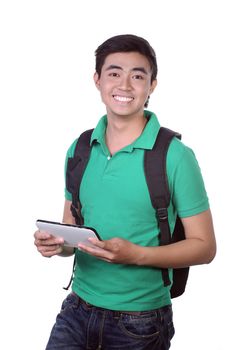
122, 98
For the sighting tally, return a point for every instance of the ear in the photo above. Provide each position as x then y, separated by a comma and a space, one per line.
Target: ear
96, 80
153, 85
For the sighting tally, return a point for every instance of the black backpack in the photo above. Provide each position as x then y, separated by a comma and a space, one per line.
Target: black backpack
154, 168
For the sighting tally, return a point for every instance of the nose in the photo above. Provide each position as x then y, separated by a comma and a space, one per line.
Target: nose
125, 82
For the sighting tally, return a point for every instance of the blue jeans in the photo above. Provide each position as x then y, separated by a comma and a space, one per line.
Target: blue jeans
80, 325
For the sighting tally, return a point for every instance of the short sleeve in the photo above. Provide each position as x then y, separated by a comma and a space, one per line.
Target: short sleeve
189, 195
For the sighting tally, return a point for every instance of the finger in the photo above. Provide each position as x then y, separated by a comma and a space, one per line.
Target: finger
46, 248
41, 235
97, 243
49, 241
99, 253
95, 251
50, 251
109, 245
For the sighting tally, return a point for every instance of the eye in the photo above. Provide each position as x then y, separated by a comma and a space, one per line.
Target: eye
138, 77
114, 74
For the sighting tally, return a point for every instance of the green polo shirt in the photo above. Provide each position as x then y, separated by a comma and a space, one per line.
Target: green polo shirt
116, 202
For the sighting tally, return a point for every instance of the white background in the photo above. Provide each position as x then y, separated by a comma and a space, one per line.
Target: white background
48, 98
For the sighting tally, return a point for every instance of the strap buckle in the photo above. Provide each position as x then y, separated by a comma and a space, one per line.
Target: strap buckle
162, 214
74, 210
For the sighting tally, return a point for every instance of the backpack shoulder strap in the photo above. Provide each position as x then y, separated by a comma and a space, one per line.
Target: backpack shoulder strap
82, 148
76, 166
75, 170
157, 182
155, 168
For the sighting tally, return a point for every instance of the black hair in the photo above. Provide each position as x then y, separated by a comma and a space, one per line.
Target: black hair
126, 43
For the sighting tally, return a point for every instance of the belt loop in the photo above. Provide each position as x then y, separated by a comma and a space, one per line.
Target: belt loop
76, 297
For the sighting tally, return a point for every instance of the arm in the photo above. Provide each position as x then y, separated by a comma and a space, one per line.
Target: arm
48, 245
198, 248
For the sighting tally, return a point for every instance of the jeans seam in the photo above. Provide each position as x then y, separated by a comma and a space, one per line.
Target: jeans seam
101, 329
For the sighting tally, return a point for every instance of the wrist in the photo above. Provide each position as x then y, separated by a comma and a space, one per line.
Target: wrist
141, 256
66, 251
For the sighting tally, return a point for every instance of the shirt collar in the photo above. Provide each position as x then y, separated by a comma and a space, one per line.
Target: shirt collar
145, 140
99, 131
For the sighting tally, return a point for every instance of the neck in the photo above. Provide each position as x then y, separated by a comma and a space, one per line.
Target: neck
122, 132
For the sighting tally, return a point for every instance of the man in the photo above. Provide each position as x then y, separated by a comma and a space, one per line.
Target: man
118, 298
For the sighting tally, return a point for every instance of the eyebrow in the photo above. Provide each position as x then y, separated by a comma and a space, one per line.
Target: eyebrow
138, 69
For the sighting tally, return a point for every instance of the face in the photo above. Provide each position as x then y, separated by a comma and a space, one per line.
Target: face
125, 83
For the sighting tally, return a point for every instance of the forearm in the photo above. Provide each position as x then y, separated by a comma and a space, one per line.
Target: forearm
199, 247
185, 253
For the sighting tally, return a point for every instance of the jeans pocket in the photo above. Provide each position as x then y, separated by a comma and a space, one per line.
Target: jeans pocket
167, 322
138, 327
72, 300
171, 330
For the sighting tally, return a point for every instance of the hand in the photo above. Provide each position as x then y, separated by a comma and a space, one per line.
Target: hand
47, 244
115, 250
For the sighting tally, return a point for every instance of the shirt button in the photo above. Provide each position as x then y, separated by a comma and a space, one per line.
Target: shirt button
108, 158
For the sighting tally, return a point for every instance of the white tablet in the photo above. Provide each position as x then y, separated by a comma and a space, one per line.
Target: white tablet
72, 234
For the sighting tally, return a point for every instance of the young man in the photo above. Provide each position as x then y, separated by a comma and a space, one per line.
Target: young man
118, 298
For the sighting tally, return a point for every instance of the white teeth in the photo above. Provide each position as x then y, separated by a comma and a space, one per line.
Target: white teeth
123, 98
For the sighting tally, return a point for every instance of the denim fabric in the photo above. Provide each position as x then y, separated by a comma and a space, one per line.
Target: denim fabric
83, 326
